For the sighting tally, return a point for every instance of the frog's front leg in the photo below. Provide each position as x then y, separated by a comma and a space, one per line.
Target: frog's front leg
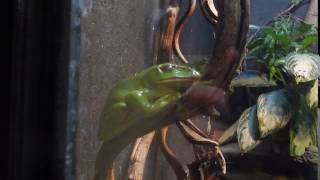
149, 103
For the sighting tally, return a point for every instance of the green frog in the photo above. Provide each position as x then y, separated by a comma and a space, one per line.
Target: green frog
150, 100
144, 94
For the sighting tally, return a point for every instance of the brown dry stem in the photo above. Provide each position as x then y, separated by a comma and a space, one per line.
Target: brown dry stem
138, 156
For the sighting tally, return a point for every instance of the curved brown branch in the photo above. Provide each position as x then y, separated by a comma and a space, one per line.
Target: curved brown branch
210, 11
138, 157
222, 160
181, 25
197, 96
194, 137
194, 128
167, 36
198, 139
228, 54
170, 156
111, 173
233, 24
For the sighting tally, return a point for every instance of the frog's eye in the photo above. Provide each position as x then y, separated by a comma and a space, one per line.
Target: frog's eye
167, 67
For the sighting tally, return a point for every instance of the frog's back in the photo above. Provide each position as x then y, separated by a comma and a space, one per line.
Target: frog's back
123, 88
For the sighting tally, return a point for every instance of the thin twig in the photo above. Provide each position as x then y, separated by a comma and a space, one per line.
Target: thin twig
167, 36
293, 7
111, 172
192, 126
194, 137
181, 25
210, 11
178, 168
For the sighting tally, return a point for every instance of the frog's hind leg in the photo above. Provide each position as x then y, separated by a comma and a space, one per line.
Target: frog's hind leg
163, 101
147, 105
113, 121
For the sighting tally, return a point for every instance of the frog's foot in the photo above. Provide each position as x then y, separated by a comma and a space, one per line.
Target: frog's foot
205, 97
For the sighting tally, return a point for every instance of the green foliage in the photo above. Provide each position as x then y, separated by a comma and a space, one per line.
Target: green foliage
283, 36
294, 106
271, 113
274, 110
284, 55
248, 130
304, 67
251, 79
295, 2
303, 127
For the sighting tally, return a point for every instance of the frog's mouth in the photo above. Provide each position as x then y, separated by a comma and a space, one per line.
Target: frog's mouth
184, 80
179, 80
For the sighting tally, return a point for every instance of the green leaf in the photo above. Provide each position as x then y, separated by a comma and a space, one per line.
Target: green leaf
274, 110
255, 41
304, 28
304, 67
269, 31
295, 2
246, 141
253, 124
308, 41
283, 39
283, 36
229, 134
279, 62
251, 79
309, 157
255, 49
303, 130
295, 44
261, 62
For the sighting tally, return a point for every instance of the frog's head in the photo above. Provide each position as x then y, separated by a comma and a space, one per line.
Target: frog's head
171, 76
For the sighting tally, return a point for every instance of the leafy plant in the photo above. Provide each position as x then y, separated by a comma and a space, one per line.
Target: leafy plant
295, 2
284, 35
293, 106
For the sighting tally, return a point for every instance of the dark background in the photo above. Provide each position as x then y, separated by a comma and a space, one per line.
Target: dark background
34, 73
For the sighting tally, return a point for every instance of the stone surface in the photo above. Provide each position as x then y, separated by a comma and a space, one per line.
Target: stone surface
112, 48
312, 13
